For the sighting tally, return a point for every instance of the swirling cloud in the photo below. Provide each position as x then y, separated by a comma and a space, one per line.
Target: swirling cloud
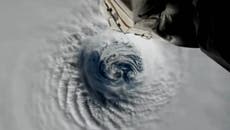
106, 82
109, 80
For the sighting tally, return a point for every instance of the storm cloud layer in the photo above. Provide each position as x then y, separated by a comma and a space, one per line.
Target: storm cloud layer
63, 68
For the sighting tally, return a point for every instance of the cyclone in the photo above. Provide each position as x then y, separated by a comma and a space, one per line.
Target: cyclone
103, 79
105, 82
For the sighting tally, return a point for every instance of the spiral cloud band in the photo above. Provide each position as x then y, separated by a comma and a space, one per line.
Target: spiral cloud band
104, 82
108, 80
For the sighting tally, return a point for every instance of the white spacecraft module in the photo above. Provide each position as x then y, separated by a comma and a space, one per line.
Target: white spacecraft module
173, 22
125, 16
